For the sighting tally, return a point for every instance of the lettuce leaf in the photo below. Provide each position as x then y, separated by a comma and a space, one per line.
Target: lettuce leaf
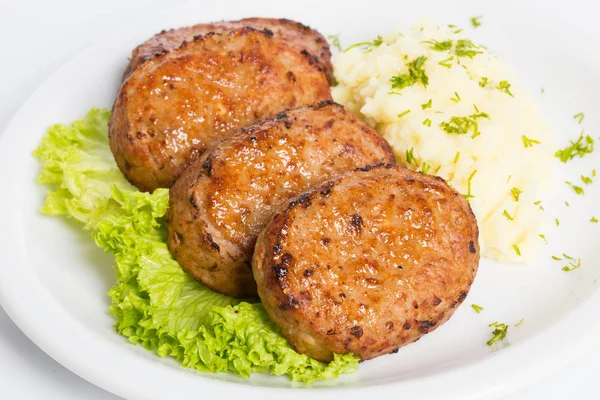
155, 303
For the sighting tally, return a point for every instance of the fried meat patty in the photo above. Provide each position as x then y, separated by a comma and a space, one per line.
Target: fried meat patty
222, 201
366, 263
175, 105
298, 36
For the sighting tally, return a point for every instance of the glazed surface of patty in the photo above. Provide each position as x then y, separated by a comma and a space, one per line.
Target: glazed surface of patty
366, 263
174, 106
223, 200
295, 34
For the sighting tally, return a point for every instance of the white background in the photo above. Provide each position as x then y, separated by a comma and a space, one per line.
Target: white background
39, 36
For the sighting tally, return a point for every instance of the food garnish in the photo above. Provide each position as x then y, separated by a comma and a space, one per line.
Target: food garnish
477, 308
527, 142
447, 62
415, 74
469, 195
504, 86
439, 46
463, 48
516, 249
410, 158
507, 215
466, 48
573, 263
516, 193
378, 41
335, 41
539, 204
499, 332
578, 189
462, 125
403, 113
586, 179
475, 21
579, 117
582, 146
455, 29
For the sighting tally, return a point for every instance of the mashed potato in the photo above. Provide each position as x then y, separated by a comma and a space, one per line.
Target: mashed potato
450, 108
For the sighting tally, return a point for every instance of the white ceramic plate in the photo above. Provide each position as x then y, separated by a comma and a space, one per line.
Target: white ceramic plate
53, 280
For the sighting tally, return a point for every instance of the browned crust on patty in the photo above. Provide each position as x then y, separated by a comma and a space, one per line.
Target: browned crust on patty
223, 200
298, 36
177, 104
366, 263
